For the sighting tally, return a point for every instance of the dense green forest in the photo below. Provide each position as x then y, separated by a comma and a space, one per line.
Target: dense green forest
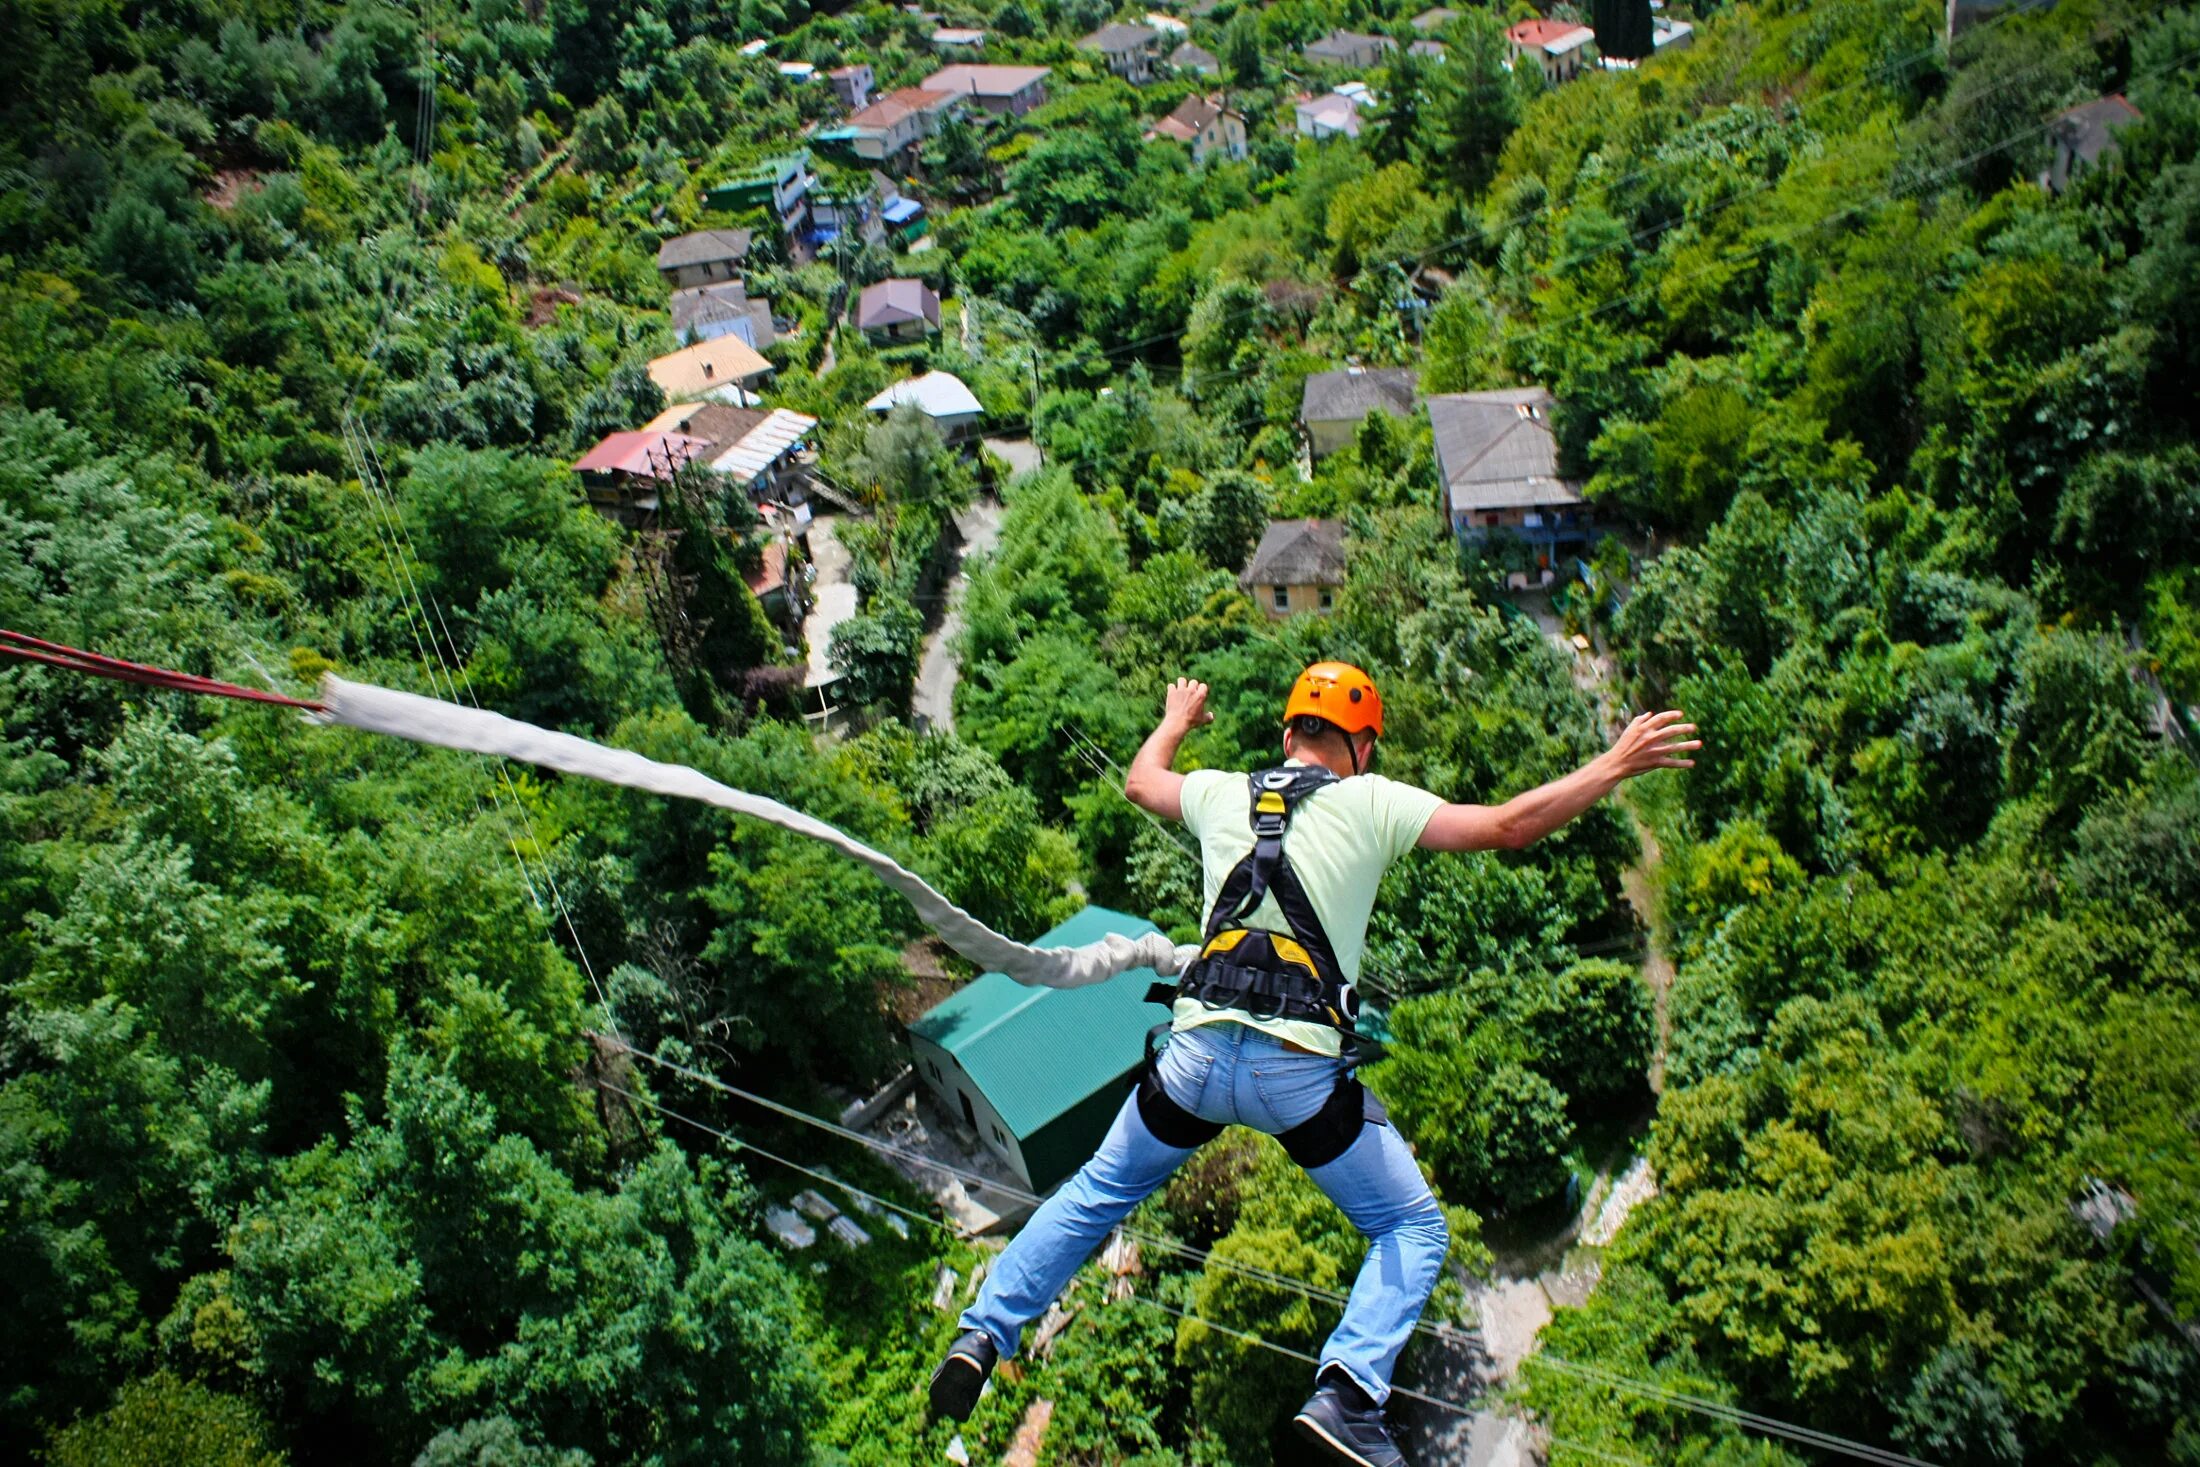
319, 1139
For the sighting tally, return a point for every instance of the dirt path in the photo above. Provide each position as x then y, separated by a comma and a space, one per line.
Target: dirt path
938, 667
1635, 883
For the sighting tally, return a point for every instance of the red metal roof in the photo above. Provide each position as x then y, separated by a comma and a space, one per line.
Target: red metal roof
1540, 32
641, 453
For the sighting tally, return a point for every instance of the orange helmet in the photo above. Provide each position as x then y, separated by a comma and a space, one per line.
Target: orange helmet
1339, 693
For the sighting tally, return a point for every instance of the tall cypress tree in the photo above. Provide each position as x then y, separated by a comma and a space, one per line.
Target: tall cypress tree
1622, 27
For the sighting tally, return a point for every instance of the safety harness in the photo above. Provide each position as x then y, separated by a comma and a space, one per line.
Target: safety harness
1270, 976
1267, 974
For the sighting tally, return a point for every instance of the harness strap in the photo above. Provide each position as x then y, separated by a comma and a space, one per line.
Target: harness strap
1272, 976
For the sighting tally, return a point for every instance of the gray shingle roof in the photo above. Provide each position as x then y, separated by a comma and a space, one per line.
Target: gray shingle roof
1495, 450
1349, 394
1341, 45
1435, 16
2090, 127
701, 304
1298, 553
1189, 57
1121, 37
703, 247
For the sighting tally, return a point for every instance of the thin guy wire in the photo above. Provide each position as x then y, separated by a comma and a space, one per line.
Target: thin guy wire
1206, 1257
932, 1222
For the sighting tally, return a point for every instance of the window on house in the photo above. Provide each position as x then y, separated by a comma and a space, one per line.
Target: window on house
1329, 598
1490, 518
1283, 598
997, 1136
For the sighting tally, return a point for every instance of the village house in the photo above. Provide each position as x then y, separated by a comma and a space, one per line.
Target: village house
897, 310
780, 185
724, 370
1333, 404
1434, 19
897, 121
1564, 50
707, 312
852, 84
1191, 58
1168, 25
1347, 48
704, 257
764, 451
958, 40
1005, 91
1037, 1074
1207, 125
1498, 460
1298, 566
1333, 114
1431, 50
2083, 136
941, 396
1129, 50
625, 475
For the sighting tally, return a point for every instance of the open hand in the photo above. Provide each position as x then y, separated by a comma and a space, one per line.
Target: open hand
1654, 741
1186, 705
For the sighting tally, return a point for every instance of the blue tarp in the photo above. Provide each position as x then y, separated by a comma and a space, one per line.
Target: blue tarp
901, 211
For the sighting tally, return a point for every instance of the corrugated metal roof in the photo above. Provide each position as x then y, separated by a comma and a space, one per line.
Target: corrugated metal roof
936, 394
642, 453
764, 445
1037, 1052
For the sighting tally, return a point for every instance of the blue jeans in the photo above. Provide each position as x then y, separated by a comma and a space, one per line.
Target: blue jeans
1229, 1073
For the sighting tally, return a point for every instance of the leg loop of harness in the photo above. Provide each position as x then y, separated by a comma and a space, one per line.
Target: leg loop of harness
1329, 1132
1170, 1123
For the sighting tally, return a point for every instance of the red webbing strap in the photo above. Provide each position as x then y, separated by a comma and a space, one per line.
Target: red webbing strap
26, 648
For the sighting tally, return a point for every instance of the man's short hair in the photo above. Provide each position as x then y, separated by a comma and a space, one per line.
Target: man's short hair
1313, 725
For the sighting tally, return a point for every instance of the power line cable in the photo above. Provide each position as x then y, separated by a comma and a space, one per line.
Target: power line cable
1207, 1258
887, 1204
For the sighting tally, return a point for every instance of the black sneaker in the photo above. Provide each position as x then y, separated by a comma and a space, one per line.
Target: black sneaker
962, 1375
1345, 1422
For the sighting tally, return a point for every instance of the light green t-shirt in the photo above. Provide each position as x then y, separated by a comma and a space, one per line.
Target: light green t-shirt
1343, 837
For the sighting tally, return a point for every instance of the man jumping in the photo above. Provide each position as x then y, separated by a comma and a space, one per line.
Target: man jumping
1260, 1024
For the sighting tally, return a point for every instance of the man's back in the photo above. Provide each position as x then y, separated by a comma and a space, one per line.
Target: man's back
1342, 838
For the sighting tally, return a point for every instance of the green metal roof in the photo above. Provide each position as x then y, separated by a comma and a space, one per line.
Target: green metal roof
1037, 1052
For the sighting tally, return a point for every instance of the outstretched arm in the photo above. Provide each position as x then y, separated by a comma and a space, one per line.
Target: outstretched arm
1150, 782
1652, 741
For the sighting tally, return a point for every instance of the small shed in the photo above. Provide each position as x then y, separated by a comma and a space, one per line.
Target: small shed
941, 396
1038, 1073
